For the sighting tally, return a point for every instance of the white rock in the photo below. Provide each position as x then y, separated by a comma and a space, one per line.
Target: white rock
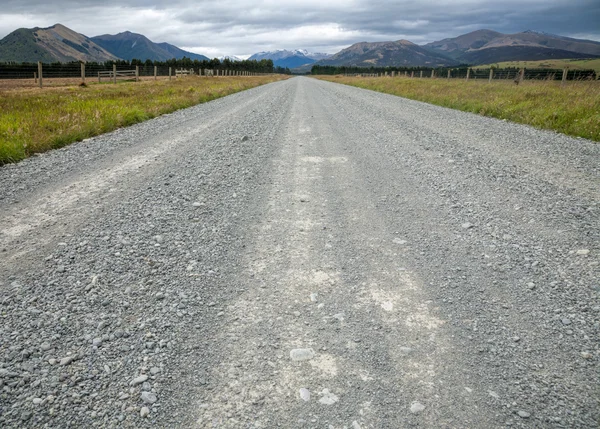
305, 394
416, 407
313, 297
328, 398
302, 354
144, 412
583, 251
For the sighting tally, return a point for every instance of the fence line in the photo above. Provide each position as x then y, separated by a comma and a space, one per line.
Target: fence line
492, 74
112, 73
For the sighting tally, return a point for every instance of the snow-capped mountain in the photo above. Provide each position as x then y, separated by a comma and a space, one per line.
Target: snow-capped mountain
230, 58
289, 59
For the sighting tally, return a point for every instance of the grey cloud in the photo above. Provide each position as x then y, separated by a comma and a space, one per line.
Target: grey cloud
238, 27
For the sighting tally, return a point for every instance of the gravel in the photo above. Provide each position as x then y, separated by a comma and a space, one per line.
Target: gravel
217, 265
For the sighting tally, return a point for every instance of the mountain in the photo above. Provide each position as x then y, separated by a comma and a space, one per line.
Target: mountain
230, 58
382, 54
289, 59
455, 47
487, 46
128, 45
52, 44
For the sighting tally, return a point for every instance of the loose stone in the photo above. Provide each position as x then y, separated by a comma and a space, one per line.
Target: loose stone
416, 407
305, 394
302, 354
328, 397
139, 380
148, 397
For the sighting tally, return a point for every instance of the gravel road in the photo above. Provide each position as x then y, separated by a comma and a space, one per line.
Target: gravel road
303, 255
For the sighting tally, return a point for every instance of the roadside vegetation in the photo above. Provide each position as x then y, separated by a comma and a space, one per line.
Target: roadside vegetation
37, 120
573, 109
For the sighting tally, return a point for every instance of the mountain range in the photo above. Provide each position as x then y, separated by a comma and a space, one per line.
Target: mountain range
477, 47
382, 54
59, 43
290, 59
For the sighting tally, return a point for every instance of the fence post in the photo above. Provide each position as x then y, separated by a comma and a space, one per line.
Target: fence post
137, 73
491, 75
40, 73
564, 76
468, 73
421, 74
522, 75
114, 73
432, 74
170, 72
82, 72
448, 74
155, 70
34, 77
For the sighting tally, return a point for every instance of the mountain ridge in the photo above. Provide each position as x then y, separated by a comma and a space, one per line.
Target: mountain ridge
128, 45
289, 58
61, 44
55, 43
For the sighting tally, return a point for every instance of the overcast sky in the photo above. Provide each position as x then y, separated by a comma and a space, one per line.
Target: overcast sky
236, 27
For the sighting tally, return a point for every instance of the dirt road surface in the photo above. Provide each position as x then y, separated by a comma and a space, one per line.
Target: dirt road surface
303, 255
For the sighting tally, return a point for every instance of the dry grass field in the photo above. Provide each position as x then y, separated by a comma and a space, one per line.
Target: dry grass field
572, 109
34, 120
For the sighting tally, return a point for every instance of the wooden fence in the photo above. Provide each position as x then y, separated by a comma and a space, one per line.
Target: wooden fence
115, 74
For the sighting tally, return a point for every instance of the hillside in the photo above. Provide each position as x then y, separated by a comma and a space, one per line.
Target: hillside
56, 43
485, 46
382, 54
517, 53
128, 45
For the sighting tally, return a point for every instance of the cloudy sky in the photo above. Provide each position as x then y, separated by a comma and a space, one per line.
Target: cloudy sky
238, 27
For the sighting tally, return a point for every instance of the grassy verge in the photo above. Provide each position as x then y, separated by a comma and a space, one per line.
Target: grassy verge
573, 109
34, 120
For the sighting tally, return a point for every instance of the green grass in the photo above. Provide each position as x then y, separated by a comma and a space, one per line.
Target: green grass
37, 120
573, 109
574, 64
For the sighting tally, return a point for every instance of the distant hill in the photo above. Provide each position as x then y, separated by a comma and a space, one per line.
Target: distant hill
128, 45
383, 54
53, 44
290, 59
487, 46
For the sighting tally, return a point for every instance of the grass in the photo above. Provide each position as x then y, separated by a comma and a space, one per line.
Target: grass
37, 120
573, 109
573, 64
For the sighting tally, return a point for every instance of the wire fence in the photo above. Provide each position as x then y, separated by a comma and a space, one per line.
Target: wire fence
59, 74
464, 73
